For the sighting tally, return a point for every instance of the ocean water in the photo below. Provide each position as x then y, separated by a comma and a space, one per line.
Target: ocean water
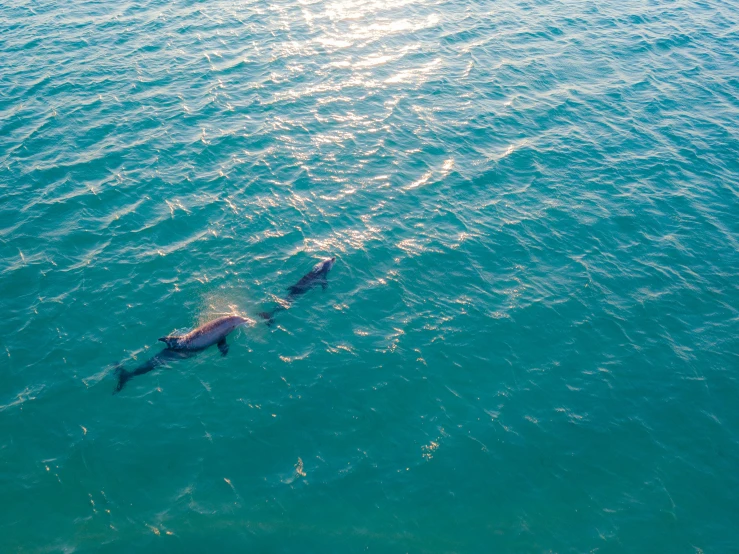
529, 341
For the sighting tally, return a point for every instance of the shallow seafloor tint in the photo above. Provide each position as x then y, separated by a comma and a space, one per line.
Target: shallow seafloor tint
528, 342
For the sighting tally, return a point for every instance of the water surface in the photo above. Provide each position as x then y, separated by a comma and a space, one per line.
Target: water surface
529, 339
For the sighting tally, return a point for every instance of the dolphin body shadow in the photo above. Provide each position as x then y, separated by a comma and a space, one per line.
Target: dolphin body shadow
162, 359
316, 276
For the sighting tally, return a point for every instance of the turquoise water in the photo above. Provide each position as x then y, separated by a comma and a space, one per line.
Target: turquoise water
529, 341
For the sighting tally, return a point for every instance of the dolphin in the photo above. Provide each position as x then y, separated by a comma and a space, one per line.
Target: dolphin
316, 276
185, 346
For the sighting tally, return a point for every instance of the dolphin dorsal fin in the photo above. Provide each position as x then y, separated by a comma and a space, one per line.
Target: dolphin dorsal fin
170, 341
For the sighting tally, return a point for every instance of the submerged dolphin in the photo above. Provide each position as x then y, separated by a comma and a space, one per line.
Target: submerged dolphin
185, 346
316, 276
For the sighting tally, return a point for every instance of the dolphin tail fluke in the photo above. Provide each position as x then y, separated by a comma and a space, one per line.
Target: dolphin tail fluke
123, 377
268, 317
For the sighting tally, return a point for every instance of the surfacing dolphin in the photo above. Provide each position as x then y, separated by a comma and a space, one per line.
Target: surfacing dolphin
317, 276
185, 346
